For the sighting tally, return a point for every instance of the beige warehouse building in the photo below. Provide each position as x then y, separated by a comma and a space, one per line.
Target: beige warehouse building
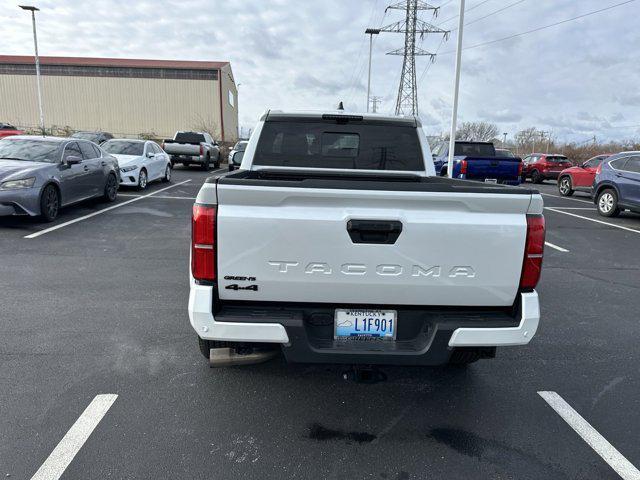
125, 97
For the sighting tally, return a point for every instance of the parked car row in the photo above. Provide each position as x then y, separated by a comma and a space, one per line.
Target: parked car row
613, 181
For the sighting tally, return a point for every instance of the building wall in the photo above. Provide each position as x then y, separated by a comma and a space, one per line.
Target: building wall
122, 106
229, 111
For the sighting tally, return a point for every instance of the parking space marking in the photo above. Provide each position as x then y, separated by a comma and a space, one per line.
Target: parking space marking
594, 220
556, 247
573, 208
169, 197
85, 217
58, 461
567, 198
602, 447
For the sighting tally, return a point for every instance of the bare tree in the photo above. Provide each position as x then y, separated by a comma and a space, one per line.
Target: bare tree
525, 139
477, 131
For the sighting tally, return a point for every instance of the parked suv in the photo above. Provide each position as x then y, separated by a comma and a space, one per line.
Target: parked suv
580, 178
617, 184
544, 166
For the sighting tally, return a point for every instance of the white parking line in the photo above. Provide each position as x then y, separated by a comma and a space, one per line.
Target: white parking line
80, 219
602, 447
567, 198
573, 208
556, 247
594, 220
169, 197
55, 465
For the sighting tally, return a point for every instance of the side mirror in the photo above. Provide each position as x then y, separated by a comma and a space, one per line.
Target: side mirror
150, 154
73, 160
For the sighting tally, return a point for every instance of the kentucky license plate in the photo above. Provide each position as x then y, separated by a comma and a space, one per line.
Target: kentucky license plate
365, 324
490, 180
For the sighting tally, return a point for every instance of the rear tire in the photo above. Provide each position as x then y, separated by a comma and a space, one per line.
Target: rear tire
205, 166
111, 189
49, 203
536, 177
607, 203
167, 174
565, 187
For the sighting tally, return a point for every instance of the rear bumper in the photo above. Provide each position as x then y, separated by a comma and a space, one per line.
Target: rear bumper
187, 158
425, 336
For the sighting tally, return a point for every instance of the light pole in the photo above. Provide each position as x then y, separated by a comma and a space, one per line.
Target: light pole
456, 89
238, 108
33, 11
504, 139
371, 32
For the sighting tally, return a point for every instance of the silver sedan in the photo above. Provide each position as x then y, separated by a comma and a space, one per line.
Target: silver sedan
39, 175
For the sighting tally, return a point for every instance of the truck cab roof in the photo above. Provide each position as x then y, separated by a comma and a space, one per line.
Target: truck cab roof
280, 115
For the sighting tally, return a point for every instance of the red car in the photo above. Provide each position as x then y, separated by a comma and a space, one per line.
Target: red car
7, 130
544, 166
580, 178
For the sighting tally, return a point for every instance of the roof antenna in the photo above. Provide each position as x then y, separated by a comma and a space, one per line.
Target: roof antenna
340, 106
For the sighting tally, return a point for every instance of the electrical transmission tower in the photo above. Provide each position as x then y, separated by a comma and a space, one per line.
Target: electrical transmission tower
407, 101
375, 101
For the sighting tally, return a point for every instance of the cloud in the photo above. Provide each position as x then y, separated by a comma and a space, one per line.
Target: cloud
308, 55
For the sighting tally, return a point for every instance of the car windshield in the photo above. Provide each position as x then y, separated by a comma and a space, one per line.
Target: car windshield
120, 147
29, 150
504, 154
557, 159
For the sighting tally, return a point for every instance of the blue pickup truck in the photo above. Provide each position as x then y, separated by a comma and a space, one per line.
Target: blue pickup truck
477, 161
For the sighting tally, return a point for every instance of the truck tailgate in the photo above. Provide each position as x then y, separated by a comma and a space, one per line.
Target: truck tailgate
462, 249
498, 168
182, 149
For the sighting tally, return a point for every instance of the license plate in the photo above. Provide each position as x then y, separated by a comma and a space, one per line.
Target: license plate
490, 180
365, 324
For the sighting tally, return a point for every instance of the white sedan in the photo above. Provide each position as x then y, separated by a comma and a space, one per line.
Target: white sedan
141, 161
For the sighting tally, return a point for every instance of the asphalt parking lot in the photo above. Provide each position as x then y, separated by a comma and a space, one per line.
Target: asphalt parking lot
95, 304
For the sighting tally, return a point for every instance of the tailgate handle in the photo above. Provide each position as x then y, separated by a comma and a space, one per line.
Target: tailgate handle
374, 231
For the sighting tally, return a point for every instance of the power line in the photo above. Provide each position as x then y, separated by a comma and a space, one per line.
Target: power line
426, 69
465, 11
542, 28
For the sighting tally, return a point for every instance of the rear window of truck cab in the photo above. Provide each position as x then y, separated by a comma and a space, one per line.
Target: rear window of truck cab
357, 146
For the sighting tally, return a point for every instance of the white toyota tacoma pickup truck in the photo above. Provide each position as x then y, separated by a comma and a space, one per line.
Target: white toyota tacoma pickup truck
335, 242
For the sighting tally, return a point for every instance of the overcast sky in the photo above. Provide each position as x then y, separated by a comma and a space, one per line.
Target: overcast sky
577, 80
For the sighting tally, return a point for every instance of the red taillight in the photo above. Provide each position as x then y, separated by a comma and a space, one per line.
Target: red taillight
162, 145
519, 169
203, 247
463, 167
201, 150
533, 252
599, 169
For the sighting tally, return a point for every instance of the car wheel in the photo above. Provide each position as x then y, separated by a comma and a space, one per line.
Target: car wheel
536, 177
111, 188
607, 203
205, 165
167, 174
49, 203
231, 167
142, 179
565, 187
